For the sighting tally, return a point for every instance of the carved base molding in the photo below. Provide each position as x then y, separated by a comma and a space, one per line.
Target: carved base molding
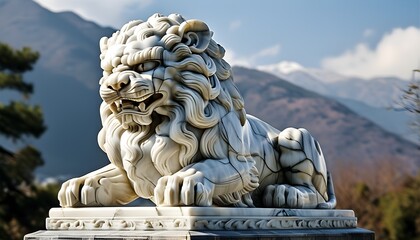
196, 218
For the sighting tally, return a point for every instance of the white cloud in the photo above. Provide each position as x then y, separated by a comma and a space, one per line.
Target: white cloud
368, 33
283, 67
251, 60
268, 52
286, 70
397, 54
235, 24
104, 12
234, 60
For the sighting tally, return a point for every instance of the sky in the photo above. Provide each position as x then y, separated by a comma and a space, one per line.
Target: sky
362, 38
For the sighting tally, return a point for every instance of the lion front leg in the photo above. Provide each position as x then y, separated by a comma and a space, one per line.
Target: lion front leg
189, 187
107, 186
199, 183
304, 169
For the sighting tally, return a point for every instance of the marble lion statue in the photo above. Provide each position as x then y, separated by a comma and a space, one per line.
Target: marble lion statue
176, 132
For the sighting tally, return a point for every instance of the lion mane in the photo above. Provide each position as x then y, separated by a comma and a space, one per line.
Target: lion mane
195, 88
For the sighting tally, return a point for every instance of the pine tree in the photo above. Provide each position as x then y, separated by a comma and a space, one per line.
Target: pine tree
18, 121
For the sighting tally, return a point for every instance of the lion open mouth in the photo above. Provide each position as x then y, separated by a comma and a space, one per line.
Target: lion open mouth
136, 106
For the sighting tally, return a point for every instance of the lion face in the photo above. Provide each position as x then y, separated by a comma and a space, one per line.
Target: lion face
133, 95
133, 92
151, 67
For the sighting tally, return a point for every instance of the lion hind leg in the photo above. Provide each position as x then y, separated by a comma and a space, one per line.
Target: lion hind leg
304, 169
298, 191
288, 196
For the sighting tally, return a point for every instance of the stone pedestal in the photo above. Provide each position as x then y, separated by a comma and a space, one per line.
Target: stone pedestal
199, 223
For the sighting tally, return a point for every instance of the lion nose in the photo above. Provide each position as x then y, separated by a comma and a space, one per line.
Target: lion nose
118, 83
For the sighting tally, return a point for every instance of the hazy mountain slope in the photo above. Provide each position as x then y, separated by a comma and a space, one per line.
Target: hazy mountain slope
369, 98
344, 135
377, 92
66, 82
68, 43
375, 99
397, 122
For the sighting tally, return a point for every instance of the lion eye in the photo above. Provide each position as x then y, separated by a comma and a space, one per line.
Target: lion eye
147, 66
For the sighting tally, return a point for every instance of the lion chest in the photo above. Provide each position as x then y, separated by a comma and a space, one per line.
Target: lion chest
159, 156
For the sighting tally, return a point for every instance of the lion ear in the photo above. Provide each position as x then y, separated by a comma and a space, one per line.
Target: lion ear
195, 34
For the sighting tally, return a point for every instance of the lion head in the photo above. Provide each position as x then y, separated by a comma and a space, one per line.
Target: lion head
167, 77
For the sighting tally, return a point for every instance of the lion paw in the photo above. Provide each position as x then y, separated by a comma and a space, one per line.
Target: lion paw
85, 191
284, 196
184, 188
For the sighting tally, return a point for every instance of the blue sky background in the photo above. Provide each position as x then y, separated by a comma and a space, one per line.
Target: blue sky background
364, 38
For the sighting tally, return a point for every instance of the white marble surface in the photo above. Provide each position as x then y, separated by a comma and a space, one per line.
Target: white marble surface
113, 212
176, 131
196, 218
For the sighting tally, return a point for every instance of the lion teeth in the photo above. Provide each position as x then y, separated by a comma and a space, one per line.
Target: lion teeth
127, 105
118, 105
142, 106
113, 108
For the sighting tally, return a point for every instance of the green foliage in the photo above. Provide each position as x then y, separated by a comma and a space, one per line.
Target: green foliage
14, 81
401, 211
18, 61
365, 203
23, 204
388, 203
12, 64
19, 119
26, 209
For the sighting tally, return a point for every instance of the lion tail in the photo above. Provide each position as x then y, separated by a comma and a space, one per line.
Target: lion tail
332, 201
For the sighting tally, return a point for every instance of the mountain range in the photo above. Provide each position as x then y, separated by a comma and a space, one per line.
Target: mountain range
377, 99
66, 76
